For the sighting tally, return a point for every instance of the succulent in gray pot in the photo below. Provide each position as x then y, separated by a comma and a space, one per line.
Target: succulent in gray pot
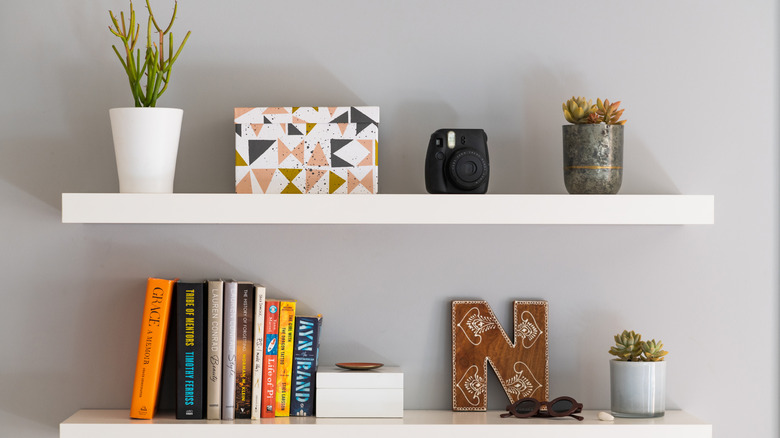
592, 146
637, 377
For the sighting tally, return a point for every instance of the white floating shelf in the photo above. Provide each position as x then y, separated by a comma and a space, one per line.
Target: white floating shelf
414, 424
230, 208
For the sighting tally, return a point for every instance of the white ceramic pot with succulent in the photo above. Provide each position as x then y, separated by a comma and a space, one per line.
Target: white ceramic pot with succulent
592, 147
146, 138
637, 377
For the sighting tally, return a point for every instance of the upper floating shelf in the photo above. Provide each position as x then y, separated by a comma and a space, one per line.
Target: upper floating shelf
230, 208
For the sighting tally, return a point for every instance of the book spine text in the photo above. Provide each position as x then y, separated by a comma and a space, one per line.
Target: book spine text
151, 347
284, 367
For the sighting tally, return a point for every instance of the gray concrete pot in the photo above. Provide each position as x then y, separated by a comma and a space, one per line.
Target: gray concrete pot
637, 389
593, 158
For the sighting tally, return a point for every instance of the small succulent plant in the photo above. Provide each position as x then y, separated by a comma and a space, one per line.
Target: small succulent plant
630, 347
609, 112
579, 111
155, 63
653, 350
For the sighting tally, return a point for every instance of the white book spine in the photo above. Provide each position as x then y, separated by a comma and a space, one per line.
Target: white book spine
229, 351
257, 362
214, 353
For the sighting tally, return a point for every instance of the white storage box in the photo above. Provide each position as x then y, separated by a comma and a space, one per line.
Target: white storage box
369, 393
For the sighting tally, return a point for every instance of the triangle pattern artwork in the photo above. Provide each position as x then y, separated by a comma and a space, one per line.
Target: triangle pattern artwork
258, 148
310, 150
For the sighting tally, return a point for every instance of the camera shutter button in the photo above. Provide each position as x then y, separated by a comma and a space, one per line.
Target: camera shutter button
439, 155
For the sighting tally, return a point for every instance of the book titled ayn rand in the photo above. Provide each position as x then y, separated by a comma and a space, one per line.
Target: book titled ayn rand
284, 364
244, 343
214, 349
305, 361
229, 350
151, 347
269, 358
190, 340
257, 361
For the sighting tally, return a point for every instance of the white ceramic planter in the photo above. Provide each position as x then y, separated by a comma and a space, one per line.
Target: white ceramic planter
637, 389
146, 142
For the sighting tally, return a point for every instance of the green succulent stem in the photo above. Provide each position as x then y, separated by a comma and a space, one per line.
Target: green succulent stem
154, 65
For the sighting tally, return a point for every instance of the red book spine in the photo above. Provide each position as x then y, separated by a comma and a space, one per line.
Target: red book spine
270, 358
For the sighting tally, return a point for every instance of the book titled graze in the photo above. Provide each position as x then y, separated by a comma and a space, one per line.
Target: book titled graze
229, 350
305, 361
284, 364
269, 358
214, 350
151, 347
257, 361
244, 341
190, 305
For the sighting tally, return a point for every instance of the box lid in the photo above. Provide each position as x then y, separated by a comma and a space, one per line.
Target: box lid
308, 114
384, 377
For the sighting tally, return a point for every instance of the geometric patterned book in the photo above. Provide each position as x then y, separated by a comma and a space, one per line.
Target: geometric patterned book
312, 150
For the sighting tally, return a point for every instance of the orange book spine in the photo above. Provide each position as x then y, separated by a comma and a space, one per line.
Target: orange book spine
151, 348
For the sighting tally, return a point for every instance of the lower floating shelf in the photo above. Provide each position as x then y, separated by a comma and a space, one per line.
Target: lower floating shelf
414, 424
227, 208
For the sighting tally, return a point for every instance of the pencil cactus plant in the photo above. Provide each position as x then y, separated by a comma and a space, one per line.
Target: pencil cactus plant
157, 61
630, 347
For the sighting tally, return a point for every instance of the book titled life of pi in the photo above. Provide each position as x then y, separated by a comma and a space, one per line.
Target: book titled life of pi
151, 348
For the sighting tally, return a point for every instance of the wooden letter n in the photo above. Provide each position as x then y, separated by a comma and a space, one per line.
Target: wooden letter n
478, 338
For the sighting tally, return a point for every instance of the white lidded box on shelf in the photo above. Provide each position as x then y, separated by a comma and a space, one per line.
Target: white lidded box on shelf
367, 393
312, 150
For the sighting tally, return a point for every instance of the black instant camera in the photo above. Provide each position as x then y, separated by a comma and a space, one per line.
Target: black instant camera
457, 162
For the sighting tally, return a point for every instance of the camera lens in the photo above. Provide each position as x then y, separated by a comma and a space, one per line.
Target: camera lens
467, 169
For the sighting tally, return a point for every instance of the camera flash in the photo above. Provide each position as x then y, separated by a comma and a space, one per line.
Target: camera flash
451, 139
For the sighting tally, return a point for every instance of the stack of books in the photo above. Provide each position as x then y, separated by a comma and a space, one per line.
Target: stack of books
239, 354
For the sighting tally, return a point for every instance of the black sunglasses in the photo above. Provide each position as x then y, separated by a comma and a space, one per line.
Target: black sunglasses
531, 407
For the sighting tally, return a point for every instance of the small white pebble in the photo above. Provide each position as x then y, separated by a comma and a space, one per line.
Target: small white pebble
605, 416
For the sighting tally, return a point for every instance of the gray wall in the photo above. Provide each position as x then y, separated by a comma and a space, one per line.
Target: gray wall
698, 80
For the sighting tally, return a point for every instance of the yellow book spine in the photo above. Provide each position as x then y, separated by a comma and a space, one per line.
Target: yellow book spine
151, 348
284, 370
